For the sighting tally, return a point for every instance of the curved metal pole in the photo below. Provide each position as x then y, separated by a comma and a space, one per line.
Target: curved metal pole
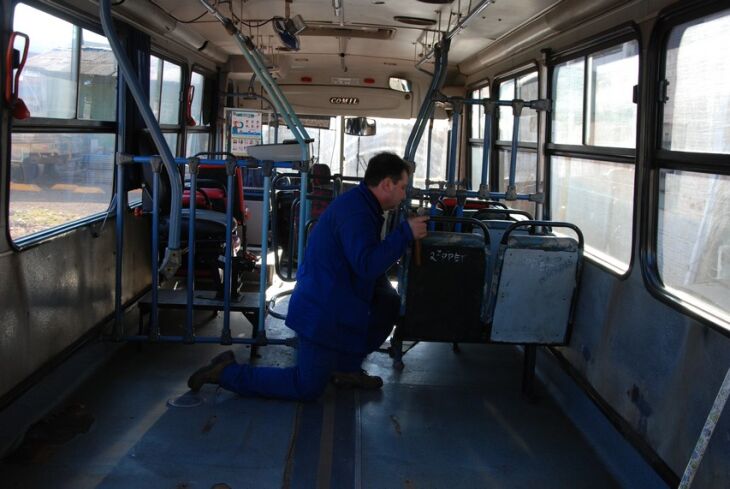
253, 57
172, 258
439, 76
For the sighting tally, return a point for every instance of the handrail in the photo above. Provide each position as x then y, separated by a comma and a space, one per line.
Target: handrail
173, 254
424, 114
254, 59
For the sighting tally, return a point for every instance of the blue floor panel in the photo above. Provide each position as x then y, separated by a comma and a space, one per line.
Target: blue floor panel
449, 420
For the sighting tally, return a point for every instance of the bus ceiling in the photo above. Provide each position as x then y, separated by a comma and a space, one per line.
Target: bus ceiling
355, 39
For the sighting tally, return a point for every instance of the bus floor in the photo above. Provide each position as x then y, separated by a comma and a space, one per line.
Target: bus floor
448, 420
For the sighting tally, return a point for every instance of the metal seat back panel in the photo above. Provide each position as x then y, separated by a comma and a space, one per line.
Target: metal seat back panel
446, 292
533, 290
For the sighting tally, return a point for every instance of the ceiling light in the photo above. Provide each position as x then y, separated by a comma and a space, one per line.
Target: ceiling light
414, 20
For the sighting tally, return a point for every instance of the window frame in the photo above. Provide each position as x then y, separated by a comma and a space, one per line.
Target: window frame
471, 141
659, 159
50, 125
607, 39
179, 127
198, 129
497, 144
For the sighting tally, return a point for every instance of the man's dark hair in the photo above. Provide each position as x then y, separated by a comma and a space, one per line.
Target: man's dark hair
385, 165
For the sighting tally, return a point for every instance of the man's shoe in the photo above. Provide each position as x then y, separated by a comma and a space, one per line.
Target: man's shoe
356, 380
211, 373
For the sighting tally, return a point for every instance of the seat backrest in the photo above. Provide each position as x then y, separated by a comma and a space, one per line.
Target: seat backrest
321, 189
446, 291
533, 288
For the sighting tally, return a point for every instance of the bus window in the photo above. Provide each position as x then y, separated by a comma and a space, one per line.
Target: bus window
476, 137
323, 129
611, 111
165, 90
587, 188
392, 135
523, 87
60, 175
693, 222
198, 136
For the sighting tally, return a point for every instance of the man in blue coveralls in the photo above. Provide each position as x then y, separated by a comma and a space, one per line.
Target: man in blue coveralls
343, 306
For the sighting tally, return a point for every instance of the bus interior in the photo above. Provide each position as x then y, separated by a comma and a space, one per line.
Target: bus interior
565, 323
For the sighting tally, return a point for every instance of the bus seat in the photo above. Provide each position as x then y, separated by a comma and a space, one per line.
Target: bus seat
322, 191
496, 232
446, 292
533, 287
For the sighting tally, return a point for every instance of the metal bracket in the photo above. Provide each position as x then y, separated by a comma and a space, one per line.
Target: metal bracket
171, 263
124, 159
511, 193
517, 106
544, 104
156, 164
483, 192
451, 190
194, 165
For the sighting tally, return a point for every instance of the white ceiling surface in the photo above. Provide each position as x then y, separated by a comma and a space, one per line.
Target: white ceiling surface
496, 20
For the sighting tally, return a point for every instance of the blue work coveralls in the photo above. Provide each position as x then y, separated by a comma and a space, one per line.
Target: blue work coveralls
342, 307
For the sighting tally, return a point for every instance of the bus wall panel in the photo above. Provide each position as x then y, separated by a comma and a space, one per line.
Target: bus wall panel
55, 292
657, 368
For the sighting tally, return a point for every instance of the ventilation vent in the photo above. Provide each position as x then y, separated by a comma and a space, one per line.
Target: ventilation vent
382, 33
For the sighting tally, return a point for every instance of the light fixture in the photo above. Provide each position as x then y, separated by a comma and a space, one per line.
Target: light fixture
419, 21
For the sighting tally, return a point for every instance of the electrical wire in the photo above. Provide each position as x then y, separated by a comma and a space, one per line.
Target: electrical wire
236, 18
175, 18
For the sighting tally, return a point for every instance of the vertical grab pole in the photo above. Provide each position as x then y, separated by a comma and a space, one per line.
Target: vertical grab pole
453, 152
156, 164
303, 211
489, 107
428, 152
261, 330
454, 144
193, 165
226, 333
517, 106
121, 204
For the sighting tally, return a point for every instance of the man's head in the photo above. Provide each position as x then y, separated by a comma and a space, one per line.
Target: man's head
387, 177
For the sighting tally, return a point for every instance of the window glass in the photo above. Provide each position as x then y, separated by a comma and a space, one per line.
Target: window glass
155, 77
477, 113
527, 89
611, 117
57, 178
324, 148
476, 166
525, 176
506, 92
392, 135
477, 118
693, 249
697, 111
170, 94
196, 109
197, 142
97, 79
567, 123
598, 197
171, 138
48, 82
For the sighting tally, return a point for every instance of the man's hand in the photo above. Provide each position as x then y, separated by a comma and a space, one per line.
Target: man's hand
418, 226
